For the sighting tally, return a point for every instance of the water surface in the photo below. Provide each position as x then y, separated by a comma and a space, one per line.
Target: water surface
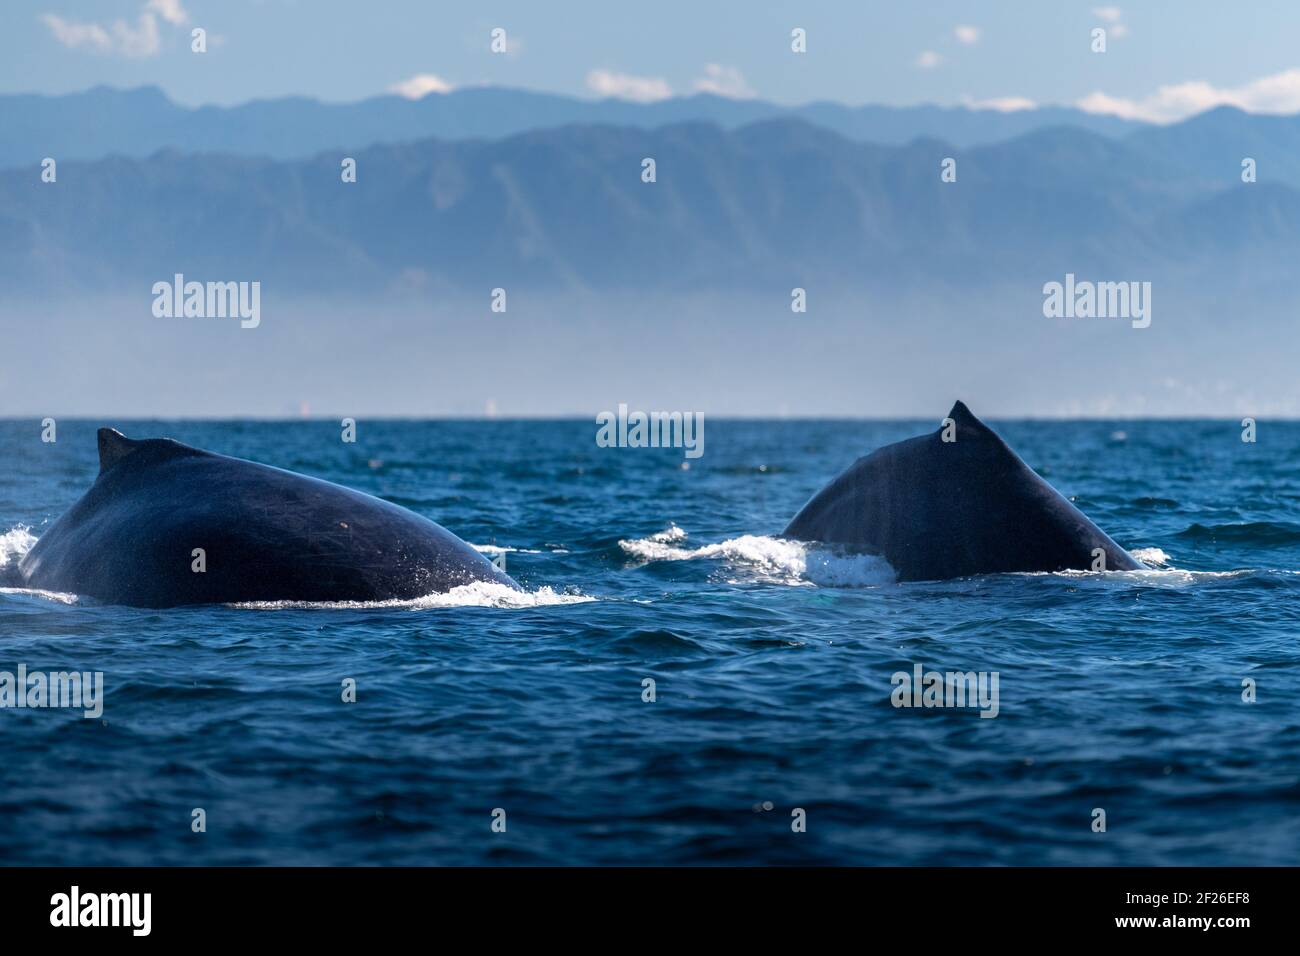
771, 665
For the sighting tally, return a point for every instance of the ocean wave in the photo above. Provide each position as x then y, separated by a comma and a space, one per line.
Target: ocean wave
59, 597
477, 594
1257, 533
786, 561
1159, 572
1153, 576
781, 560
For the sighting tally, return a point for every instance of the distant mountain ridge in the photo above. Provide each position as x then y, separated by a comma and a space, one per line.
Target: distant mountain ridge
777, 203
138, 122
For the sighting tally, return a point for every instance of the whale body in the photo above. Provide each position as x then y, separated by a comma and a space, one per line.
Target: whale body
938, 509
166, 525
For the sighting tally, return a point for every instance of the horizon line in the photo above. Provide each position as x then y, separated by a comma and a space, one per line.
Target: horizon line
315, 418
594, 100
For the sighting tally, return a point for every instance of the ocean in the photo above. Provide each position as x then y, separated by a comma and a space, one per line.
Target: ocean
676, 685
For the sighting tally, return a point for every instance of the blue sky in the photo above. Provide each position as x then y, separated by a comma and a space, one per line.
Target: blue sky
1164, 59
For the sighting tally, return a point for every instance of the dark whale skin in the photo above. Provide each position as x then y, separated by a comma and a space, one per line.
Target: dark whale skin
937, 510
267, 534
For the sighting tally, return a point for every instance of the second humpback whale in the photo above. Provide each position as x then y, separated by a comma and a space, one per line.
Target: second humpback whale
167, 525
938, 509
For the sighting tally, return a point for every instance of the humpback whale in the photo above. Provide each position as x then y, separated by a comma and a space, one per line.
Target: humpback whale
166, 525
937, 509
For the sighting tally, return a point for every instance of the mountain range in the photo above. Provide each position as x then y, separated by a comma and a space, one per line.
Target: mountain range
778, 201
139, 122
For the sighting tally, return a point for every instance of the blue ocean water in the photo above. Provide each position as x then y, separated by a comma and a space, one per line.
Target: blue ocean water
771, 663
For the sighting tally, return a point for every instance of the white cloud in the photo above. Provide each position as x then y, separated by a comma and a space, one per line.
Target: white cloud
420, 85
1279, 93
967, 34
121, 37
928, 60
142, 40
724, 81
170, 10
1003, 104
74, 35
624, 86
1119, 31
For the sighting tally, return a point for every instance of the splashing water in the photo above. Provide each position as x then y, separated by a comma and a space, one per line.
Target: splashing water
1151, 557
477, 594
15, 543
776, 560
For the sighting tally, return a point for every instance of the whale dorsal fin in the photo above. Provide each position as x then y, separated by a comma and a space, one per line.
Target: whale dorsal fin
113, 447
965, 419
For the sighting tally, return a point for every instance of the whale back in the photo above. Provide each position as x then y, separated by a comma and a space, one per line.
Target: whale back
165, 524
940, 509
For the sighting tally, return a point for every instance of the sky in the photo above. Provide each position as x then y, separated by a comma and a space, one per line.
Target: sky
1164, 59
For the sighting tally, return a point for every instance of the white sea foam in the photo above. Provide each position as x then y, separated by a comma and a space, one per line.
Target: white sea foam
773, 559
1159, 577
15, 543
1151, 557
798, 563
59, 597
503, 549
477, 594
1157, 572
